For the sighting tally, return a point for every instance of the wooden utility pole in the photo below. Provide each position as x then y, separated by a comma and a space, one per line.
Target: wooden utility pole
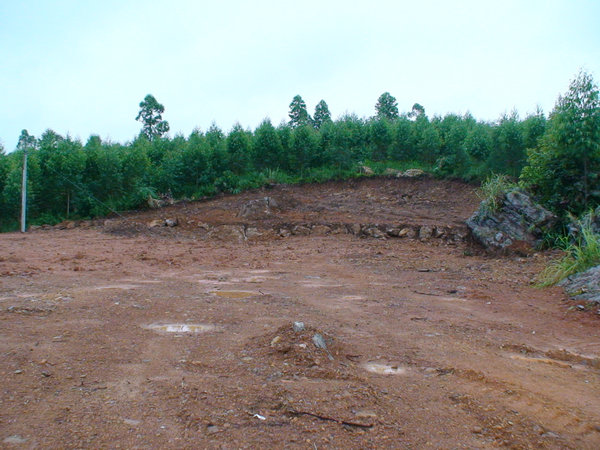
24, 194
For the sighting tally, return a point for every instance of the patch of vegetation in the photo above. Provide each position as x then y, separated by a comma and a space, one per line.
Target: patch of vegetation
71, 179
580, 255
493, 190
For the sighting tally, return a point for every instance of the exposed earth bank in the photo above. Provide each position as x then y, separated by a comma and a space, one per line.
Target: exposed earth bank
133, 334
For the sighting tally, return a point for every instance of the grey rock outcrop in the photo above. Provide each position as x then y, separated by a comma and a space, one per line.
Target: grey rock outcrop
259, 208
584, 285
518, 224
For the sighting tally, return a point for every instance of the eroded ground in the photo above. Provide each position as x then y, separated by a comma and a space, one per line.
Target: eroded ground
132, 337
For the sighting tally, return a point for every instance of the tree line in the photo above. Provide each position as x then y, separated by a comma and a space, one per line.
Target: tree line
557, 157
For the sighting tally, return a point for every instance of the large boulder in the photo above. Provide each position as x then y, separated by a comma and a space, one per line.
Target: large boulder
584, 285
517, 224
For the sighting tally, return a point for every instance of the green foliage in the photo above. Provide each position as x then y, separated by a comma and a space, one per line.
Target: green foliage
26, 141
564, 169
478, 142
579, 256
493, 190
268, 151
381, 137
386, 107
403, 148
67, 178
239, 150
304, 148
151, 117
298, 114
322, 115
416, 111
508, 146
427, 141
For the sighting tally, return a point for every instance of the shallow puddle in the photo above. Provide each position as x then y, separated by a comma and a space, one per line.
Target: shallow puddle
180, 327
234, 294
384, 369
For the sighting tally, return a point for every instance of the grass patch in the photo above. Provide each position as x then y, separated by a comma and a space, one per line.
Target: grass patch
580, 256
493, 190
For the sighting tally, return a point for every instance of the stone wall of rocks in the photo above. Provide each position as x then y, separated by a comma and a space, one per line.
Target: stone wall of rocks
242, 232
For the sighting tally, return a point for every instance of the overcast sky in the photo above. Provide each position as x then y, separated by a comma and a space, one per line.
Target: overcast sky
82, 67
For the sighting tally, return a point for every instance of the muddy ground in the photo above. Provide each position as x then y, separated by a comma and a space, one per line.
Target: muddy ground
122, 335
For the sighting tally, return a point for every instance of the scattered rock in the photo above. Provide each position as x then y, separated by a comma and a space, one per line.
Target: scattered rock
66, 225
407, 232
411, 173
354, 229
154, 203
15, 439
258, 208
584, 285
365, 414
373, 231
212, 429
275, 340
517, 225
284, 232
365, 170
298, 326
131, 422
321, 230
301, 230
156, 223
171, 222
319, 341
228, 233
389, 172
425, 232
253, 232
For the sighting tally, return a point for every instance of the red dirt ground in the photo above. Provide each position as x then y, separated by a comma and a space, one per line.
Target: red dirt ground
433, 343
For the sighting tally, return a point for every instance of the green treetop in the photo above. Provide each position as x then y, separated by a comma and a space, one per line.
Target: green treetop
151, 117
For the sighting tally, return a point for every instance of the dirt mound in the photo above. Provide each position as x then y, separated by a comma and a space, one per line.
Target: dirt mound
415, 208
297, 355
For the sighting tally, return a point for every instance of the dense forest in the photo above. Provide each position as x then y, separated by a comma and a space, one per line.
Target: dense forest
556, 157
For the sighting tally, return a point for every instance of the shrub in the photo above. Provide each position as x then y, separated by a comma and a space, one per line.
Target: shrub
493, 190
580, 255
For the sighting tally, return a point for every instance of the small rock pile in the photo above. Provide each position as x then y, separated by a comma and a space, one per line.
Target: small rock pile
300, 350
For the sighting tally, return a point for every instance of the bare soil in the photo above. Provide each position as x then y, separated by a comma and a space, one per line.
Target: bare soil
124, 336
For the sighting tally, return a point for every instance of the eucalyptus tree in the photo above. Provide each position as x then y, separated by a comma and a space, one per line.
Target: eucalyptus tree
564, 169
153, 125
386, 107
268, 151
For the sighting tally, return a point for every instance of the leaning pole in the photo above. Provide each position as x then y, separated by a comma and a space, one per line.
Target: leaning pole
24, 195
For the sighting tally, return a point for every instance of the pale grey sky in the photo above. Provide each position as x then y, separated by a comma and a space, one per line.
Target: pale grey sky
82, 67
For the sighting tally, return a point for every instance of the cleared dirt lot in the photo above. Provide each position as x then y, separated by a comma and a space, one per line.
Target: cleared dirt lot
126, 336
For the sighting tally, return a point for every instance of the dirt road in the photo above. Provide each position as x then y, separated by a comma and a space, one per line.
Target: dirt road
124, 336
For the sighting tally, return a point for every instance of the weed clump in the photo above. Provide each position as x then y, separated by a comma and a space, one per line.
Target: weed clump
493, 190
580, 255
